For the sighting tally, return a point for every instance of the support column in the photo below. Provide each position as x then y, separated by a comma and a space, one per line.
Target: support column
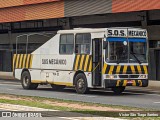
10, 38
10, 51
144, 19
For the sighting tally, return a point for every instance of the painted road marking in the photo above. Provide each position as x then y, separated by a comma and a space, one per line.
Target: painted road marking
10, 89
157, 102
7, 83
82, 95
4, 84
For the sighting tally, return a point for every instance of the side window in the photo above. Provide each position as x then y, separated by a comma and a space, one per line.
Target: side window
83, 41
66, 44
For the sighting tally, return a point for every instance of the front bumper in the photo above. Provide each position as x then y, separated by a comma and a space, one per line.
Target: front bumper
117, 83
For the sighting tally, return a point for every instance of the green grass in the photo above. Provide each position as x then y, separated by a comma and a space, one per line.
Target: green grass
39, 99
46, 106
39, 103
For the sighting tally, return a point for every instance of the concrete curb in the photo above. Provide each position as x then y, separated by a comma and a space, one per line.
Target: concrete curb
7, 75
154, 84
21, 108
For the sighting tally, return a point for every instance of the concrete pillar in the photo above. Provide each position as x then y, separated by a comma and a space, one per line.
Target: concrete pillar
9, 54
144, 19
10, 37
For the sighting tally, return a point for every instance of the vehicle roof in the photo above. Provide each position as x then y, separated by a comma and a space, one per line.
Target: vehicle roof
92, 30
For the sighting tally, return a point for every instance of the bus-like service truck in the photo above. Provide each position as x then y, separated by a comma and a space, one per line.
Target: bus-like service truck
87, 58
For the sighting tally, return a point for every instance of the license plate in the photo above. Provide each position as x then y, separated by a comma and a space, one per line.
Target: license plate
130, 81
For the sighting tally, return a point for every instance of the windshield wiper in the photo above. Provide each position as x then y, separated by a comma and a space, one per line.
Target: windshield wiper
135, 57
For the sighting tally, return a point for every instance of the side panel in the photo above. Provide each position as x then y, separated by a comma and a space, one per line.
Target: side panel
36, 76
21, 61
18, 73
52, 77
64, 78
89, 79
35, 61
56, 62
84, 63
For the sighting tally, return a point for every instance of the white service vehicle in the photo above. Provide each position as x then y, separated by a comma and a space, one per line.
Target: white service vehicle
87, 58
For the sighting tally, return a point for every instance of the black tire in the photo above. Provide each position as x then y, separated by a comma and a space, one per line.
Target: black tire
81, 84
118, 90
57, 87
26, 81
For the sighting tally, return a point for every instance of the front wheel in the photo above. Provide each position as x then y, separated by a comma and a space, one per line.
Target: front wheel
26, 81
118, 90
81, 84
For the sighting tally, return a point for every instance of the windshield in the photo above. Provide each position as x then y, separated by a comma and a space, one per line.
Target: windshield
123, 50
137, 52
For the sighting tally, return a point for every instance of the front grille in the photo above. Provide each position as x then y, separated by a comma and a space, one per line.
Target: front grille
128, 76
123, 76
133, 76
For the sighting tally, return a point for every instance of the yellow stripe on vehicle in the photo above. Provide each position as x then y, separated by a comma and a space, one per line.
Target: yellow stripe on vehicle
124, 83
81, 62
14, 58
27, 62
30, 66
124, 69
133, 69
145, 69
86, 63
77, 60
139, 69
134, 83
62, 83
104, 68
140, 83
24, 60
37, 81
118, 83
118, 69
111, 69
17, 61
20, 62
90, 65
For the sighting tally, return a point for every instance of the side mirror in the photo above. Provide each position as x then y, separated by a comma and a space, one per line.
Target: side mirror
105, 44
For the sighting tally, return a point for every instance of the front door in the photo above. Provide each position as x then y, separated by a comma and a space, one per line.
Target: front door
97, 61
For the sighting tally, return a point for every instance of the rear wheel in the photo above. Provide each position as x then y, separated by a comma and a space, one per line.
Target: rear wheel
26, 81
118, 90
81, 84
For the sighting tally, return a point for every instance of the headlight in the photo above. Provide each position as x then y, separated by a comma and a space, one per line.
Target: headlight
143, 76
111, 76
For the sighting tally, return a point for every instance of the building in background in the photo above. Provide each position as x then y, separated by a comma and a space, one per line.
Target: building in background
36, 16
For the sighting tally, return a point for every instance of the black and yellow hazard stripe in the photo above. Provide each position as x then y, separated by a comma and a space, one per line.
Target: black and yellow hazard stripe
83, 62
22, 61
125, 69
125, 83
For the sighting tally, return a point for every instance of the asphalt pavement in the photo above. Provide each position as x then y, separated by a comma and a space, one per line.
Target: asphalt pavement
133, 96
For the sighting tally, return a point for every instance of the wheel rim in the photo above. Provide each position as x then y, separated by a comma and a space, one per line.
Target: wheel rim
25, 81
81, 84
